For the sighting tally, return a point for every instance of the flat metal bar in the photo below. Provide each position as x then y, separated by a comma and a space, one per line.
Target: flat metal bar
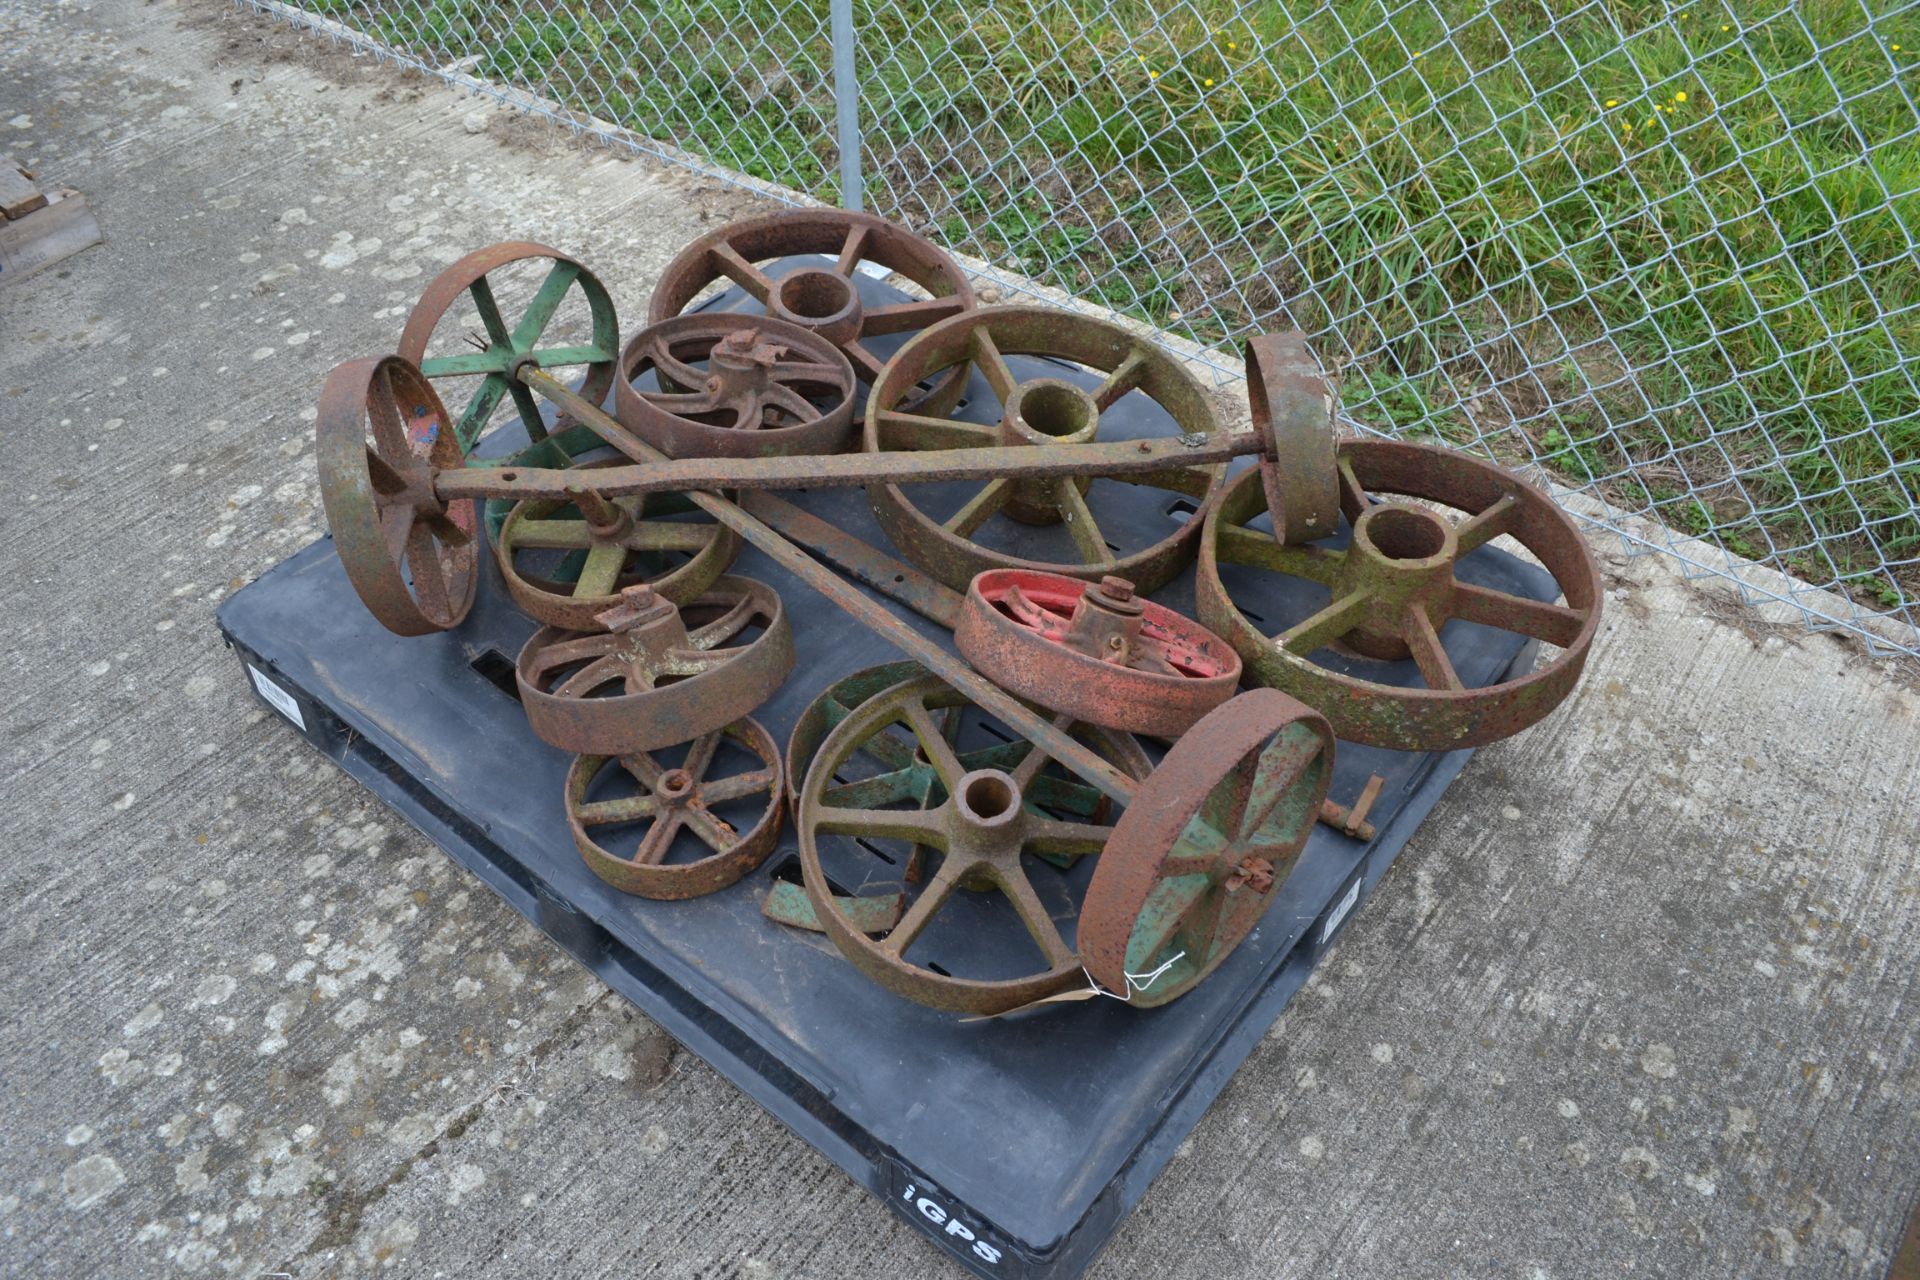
894, 579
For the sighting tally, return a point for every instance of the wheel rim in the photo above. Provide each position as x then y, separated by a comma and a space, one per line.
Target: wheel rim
826, 306
672, 800
658, 673
1393, 589
379, 440
756, 398
504, 347
1098, 652
986, 819
617, 543
1202, 850
1038, 412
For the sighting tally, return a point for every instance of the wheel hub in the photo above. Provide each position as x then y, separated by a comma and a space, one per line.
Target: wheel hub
1402, 554
1045, 411
821, 300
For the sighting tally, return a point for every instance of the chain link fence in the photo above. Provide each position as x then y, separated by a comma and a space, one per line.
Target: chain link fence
1666, 253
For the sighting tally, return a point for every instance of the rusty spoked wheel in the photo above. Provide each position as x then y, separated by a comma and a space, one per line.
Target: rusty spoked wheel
380, 437
1098, 653
768, 389
1051, 413
496, 353
1393, 589
824, 299
1204, 846
983, 819
658, 674
650, 805
598, 547
1293, 407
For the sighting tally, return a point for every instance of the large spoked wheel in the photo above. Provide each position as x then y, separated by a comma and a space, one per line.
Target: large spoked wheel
439, 336
1095, 652
565, 562
1393, 590
824, 299
629, 814
1202, 850
381, 436
1049, 412
658, 674
983, 817
768, 389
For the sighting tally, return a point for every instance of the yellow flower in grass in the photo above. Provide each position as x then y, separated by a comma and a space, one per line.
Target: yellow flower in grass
1613, 102
1153, 75
1208, 82
1680, 96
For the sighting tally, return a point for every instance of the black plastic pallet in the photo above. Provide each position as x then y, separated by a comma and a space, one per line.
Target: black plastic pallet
985, 1135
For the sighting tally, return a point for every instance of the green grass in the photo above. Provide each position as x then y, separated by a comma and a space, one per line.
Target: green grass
1704, 298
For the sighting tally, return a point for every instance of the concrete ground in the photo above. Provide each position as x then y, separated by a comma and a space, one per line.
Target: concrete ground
1640, 998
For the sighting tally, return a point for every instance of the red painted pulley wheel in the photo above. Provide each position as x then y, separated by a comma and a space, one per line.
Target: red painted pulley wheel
1096, 652
1204, 846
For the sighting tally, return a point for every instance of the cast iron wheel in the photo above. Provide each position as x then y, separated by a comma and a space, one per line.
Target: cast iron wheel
1042, 413
986, 820
500, 351
824, 299
1204, 846
1392, 589
380, 438
671, 800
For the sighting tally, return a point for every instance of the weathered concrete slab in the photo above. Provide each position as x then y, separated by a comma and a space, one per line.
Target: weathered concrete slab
1638, 999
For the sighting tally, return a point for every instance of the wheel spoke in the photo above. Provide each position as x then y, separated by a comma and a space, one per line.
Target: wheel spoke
560, 357
1123, 379
979, 509
713, 831
1056, 836
1080, 523
993, 365
1200, 923
601, 573
924, 907
429, 579
383, 411
1035, 760
805, 371
466, 363
1033, 913
483, 302
1272, 777
902, 316
1556, 624
671, 368
600, 672
796, 405
546, 301
585, 649
906, 431
1325, 626
938, 750
523, 400
601, 813
1435, 667
737, 787
1257, 550
449, 532
551, 535
727, 625
700, 754
396, 523
852, 250
658, 840
881, 789
727, 261
1489, 524
479, 409
385, 476
918, 826
865, 364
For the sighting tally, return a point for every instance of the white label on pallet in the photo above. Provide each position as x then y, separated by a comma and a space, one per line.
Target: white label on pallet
282, 700
1340, 912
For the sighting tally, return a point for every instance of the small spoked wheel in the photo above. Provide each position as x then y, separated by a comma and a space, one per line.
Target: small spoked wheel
1204, 846
1293, 408
658, 674
766, 388
380, 438
1392, 590
565, 561
1043, 412
1098, 652
633, 816
483, 345
825, 298
987, 818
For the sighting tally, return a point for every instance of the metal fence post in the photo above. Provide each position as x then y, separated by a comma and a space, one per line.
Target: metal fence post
846, 101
